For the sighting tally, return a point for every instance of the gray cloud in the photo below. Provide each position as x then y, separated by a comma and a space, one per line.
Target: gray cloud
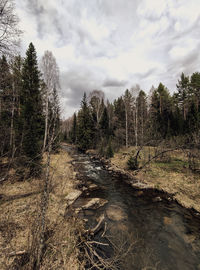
115, 44
75, 82
114, 83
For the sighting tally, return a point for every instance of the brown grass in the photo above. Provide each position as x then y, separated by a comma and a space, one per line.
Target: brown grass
19, 214
169, 173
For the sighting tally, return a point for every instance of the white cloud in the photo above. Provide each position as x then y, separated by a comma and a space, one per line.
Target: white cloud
129, 41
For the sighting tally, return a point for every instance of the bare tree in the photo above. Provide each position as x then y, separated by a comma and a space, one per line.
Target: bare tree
135, 91
128, 99
96, 98
9, 32
50, 74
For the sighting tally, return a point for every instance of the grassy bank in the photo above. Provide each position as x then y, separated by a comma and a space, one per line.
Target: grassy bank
19, 206
169, 172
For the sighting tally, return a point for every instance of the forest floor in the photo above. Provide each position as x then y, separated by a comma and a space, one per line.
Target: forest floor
169, 173
19, 207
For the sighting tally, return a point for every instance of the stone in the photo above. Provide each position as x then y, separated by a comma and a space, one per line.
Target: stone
93, 187
157, 199
73, 196
94, 203
116, 213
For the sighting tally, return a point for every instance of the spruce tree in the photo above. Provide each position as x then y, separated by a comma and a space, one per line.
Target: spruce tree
85, 130
74, 129
104, 124
5, 104
31, 112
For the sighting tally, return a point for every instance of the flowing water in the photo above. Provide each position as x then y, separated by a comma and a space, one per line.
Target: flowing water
146, 230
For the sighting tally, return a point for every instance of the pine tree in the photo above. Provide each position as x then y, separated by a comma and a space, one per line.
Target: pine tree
160, 112
5, 104
85, 130
104, 124
31, 114
142, 115
183, 93
74, 129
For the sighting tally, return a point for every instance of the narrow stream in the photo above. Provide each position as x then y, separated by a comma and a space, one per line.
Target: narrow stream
147, 230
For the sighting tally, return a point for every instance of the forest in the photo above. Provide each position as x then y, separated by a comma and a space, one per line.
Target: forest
134, 152
138, 119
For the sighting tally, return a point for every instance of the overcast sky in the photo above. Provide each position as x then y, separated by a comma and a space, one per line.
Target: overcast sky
112, 45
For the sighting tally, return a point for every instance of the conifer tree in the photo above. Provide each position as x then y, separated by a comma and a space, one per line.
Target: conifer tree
5, 104
31, 113
85, 130
183, 92
104, 123
74, 129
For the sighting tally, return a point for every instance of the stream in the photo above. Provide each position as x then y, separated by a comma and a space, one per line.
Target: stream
146, 229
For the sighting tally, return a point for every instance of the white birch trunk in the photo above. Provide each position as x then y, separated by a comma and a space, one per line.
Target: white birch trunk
126, 129
46, 122
136, 126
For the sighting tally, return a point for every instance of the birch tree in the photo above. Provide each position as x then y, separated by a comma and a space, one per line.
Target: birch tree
96, 100
127, 98
135, 91
50, 73
9, 32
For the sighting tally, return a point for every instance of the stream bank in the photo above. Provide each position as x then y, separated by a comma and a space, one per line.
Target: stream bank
148, 229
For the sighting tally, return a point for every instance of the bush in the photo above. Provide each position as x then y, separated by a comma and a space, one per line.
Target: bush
132, 163
109, 151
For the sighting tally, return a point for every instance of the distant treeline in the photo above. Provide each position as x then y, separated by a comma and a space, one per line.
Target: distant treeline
136, 118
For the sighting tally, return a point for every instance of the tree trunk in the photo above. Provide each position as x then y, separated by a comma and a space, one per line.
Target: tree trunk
126, 129
136, 126
12, 143
46, 123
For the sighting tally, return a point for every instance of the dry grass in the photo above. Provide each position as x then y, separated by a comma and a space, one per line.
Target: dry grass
169, 173
18, 215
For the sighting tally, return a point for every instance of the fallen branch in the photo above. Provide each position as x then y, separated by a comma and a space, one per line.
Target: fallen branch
97, 243
98, 226
18, 253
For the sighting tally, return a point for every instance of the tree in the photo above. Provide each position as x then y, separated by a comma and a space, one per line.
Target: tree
127, 98
74, 129
16, 125
160, 112
85, 130
9, 32
142, 114
104, 124
135, 91
31, 112
195, 88
50, 74
96, 98
183, 92
54, 121
5, 104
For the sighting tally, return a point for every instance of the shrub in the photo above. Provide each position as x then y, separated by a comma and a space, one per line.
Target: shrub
132, 163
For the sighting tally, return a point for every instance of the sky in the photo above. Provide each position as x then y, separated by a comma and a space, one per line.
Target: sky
112, 45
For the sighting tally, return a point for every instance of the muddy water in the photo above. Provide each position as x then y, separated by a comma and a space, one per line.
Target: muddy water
146, 230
